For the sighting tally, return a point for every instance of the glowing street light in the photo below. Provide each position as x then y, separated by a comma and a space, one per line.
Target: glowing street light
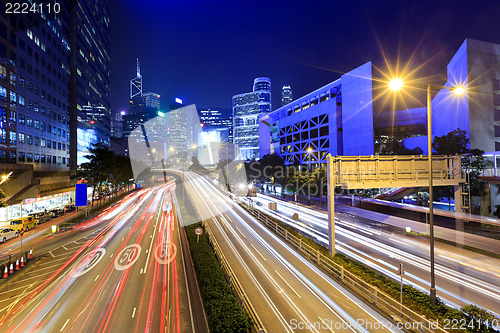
5, 177
397, 84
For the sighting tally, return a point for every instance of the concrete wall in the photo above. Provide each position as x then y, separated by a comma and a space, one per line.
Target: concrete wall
357, 111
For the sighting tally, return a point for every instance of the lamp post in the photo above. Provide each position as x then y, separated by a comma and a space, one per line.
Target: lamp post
310, 151
395, 85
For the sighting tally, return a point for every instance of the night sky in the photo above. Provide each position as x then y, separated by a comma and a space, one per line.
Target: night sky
206, 51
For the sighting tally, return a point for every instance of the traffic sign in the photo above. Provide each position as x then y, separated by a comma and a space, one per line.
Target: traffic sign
21, 233
198, 231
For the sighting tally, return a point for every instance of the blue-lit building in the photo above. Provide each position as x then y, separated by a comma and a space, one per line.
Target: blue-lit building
247, 108
335, 119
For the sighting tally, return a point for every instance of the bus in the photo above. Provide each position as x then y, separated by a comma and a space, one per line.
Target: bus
23, 222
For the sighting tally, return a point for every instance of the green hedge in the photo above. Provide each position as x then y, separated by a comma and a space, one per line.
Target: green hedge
223, 310
413, 298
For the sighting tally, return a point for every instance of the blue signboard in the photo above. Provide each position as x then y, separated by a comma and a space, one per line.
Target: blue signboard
80, 195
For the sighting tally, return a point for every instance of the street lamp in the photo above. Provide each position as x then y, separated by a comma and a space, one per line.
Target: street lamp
397, 84
310, 151
5, 177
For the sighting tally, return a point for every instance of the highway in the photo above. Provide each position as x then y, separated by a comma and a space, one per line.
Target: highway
118, 272
462, 276
289, 293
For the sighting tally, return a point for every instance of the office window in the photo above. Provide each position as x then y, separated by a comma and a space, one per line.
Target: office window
42, 158
22, 82
37, 107
59, 146
58, 159
37, 141
3, 72
42, 142
29, 105
22, 156
30, 86
13, 78
49, 159
37, 90
22, 119
3, 136
29, 121
3, 93
64, 160
37, 158
54, 159
21, 100
49, 144
37, 124
29, 139
21, 137
49, 128
12, 137
13, 98
43, 126
13, 116
29, 157
42, 110
63, 146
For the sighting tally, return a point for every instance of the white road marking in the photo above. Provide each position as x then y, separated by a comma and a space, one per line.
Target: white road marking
321, 320
288, 284
258, 252
66, 323
133, 313
64, 247
96, 277
53, 256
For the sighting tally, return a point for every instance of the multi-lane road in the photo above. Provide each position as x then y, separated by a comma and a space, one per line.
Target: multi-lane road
288, 292
462, 276
121, 271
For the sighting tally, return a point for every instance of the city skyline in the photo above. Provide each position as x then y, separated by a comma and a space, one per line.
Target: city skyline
299, 57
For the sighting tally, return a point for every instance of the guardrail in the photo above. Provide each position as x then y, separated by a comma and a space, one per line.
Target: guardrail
233, 281
399, 312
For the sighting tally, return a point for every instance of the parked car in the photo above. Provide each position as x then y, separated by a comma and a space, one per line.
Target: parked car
7, 233
70, 208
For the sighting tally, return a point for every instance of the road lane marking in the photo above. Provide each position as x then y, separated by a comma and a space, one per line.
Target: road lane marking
258, 252
96, 277
64, 326
321, 320
133, 313
90, 261
151, 244
288, 284
53, 256
239, 231
64, 247
141, 271
123, 239
111, 256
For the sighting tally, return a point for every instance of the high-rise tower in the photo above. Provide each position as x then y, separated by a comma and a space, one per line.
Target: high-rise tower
247, 109
286, 95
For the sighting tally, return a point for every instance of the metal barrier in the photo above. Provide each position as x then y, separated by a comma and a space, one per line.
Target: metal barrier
372, 294
233, 281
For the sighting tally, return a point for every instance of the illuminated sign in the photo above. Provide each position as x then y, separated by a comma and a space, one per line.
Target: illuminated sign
178, 100
161, 114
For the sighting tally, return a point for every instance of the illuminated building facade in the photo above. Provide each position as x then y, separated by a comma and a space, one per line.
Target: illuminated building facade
286, 95
247, 108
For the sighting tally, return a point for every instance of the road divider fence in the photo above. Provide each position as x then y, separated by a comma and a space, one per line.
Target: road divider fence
233, 281
398, 312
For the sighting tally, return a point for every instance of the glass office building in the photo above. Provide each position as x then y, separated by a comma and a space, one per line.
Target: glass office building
247, 108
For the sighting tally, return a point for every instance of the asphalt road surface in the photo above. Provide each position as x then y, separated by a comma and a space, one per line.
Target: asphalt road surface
118, 272
288, 292
462, 276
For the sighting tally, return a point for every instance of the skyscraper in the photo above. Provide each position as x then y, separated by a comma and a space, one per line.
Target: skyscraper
152, 100
218, 119
136, 83
93, 70
247, 108
286, 95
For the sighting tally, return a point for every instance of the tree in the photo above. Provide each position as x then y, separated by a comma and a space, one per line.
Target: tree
197, 167
104, 171
473, 162
2, 196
